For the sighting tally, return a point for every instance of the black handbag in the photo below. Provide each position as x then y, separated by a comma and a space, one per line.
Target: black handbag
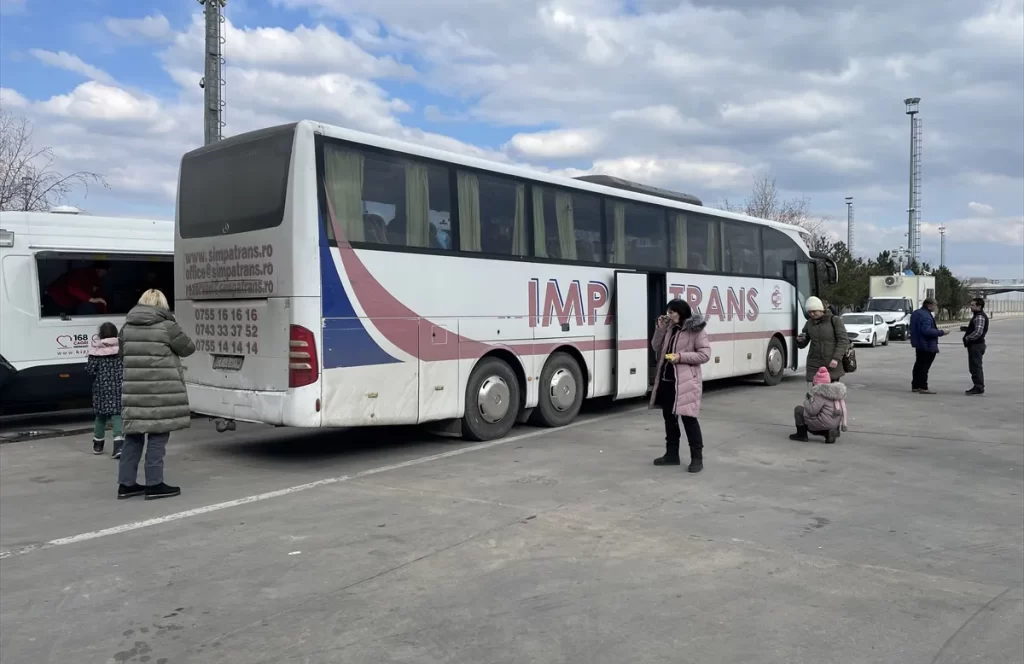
850, 360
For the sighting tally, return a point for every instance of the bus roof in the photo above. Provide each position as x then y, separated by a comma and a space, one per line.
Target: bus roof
520, 172
62, 232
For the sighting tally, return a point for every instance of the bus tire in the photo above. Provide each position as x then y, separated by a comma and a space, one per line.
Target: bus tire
774, 362
561, 392
492, 400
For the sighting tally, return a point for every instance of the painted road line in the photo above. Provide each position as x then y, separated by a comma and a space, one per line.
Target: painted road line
260, 497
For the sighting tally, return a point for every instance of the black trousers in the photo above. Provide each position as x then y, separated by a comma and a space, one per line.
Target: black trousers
921, 367
666, 399
975, 353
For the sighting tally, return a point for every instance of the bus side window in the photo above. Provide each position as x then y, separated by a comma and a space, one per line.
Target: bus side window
703, 248
492, 214
384, 200
119, 282
566, 225
742, 248
638, 234
778, 249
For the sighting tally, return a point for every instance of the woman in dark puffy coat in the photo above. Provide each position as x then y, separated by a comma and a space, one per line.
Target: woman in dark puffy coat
154, 401
107, 371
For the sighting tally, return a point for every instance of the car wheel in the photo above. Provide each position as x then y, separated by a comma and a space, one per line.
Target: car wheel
874, 340
885, 342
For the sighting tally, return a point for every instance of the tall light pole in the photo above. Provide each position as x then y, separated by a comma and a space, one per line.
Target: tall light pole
849, 224
26, 192
914, 205
213, 81
942, 246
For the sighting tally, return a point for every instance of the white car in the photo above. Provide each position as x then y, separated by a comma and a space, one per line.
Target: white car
866, 329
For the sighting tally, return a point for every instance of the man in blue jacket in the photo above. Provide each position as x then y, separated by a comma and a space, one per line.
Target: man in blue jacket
924, 337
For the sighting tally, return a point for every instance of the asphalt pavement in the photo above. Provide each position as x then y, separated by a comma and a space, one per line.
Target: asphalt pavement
903, 543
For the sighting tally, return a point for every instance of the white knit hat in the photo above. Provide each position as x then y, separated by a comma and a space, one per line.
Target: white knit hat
814, 304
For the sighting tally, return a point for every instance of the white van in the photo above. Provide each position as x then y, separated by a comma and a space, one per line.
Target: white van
44, 333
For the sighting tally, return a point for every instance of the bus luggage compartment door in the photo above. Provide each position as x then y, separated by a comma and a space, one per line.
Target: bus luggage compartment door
630, 334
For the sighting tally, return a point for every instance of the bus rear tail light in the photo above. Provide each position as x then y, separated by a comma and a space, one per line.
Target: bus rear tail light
303, 368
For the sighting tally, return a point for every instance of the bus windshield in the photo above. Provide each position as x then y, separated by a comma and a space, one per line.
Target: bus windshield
237, 185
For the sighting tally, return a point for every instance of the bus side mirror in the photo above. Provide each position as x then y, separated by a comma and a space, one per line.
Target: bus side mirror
833, 272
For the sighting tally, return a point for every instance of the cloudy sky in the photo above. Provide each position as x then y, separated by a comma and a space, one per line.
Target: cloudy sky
701, 96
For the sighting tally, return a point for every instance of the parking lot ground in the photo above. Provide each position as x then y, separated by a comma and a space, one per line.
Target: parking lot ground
902, 543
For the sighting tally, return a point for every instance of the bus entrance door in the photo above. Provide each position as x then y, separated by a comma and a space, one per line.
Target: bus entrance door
630, 334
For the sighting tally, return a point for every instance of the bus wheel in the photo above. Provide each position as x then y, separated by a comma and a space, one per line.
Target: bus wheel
561, 392
492, 401
774, 362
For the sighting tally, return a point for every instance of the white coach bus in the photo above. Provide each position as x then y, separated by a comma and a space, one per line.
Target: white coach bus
51, 264
334, 278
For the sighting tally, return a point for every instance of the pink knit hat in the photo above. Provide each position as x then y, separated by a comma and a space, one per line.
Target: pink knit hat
822, 377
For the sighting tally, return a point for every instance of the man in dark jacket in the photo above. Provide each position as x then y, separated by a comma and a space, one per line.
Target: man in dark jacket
80, 291
924, 337
974, 341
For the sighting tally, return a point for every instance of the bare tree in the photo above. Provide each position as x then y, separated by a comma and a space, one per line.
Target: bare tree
29, 181
764, 203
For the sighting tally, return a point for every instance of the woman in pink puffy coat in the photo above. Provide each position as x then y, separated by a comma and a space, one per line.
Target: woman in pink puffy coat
682, 346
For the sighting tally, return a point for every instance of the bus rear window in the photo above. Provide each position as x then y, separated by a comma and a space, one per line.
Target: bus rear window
236, 185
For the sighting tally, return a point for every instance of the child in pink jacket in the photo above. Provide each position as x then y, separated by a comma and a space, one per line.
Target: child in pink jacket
823, 412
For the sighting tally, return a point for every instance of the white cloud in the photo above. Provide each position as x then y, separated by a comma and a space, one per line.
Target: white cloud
12, 99
809, 107
1002, 23
996, 230
668, 172
136, 139
154, 28
95, 101
66, 61
558, 144
303, 50
981, 208
697, 96
662, 117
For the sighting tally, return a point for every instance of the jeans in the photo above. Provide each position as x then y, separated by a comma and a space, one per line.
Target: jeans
921, 367
131, 454
975, 353
99, 430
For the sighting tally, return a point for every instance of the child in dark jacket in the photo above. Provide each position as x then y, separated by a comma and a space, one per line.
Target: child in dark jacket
107, 370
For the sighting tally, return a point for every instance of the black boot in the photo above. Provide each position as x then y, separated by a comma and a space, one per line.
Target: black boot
129, 491
801, 435
162, 491
671, 457
97, 446
696, 460
831, 435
